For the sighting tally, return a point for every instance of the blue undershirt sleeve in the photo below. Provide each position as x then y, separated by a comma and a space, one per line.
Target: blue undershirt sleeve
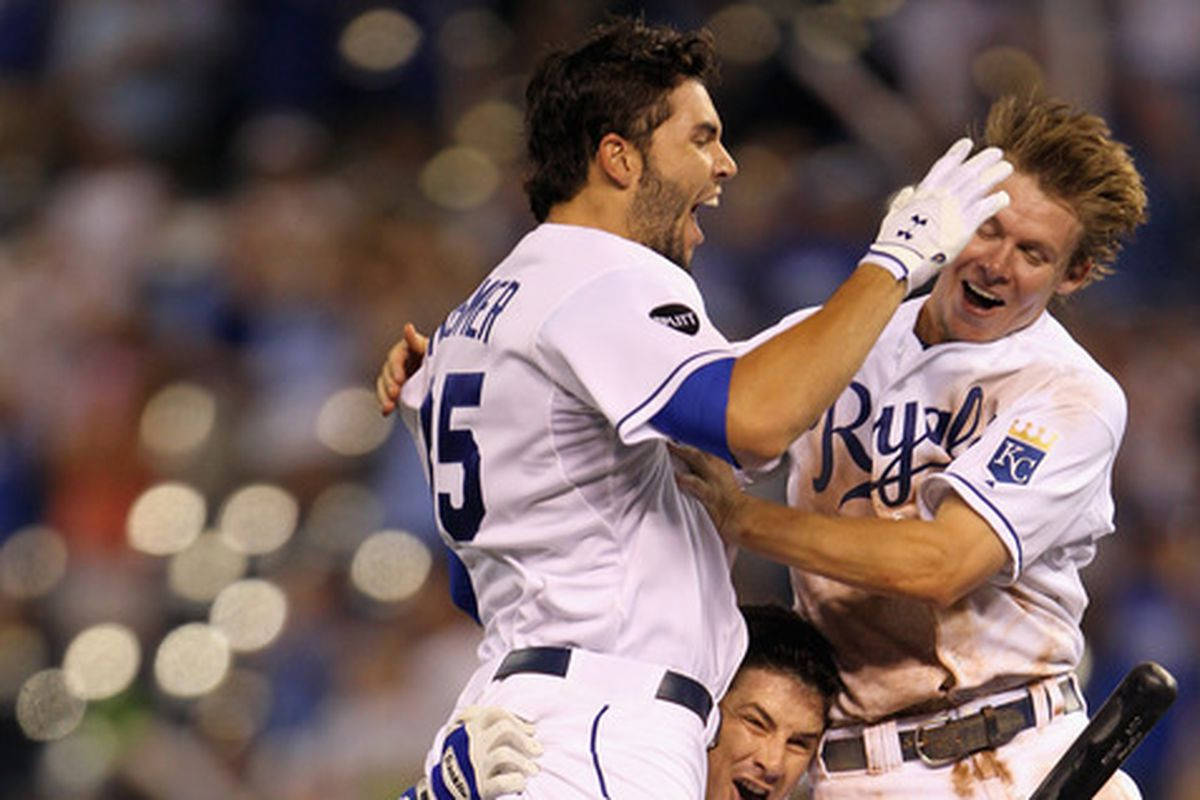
695, 414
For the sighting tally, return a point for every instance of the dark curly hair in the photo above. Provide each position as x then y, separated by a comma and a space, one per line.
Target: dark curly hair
783, 641
615, 81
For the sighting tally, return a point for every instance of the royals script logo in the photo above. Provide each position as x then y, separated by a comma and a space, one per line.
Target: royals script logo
895, 434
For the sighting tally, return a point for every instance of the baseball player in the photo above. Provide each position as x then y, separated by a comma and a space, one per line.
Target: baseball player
775, 710
545, 400
944, 505
772, 718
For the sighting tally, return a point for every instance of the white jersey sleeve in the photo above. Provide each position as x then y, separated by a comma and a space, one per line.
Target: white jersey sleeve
789, 321
1041, 471
628, 361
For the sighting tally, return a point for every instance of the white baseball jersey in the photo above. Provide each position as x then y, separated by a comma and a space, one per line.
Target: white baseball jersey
1024, 430
533, 406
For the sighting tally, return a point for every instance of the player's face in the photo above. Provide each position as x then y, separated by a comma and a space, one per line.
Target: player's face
684, 166
1003, 279
770, 726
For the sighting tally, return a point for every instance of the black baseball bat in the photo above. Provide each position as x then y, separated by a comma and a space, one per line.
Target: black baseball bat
1115, 730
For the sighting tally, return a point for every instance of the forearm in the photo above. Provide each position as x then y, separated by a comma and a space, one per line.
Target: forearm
780, 388
935, 561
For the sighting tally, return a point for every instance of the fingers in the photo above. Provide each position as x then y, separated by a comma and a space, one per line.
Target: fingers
984, 209
402, 361
500, 785
488, 717
692, 484
901, 197
690, 456
980, 174
947, 163
504, 759
417, 343
387, 402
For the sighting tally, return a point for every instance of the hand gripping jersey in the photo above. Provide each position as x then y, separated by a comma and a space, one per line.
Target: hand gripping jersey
549, 484
1025, 430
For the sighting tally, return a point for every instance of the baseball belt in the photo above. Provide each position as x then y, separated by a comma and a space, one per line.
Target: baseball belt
946, 742
674, 687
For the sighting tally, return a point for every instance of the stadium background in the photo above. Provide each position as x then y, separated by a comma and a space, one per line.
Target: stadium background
218, 573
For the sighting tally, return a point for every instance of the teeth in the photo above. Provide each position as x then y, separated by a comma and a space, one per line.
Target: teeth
982, 292
747, 791
712, 202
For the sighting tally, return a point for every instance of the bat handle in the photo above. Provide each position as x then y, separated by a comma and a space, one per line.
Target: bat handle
1115, 730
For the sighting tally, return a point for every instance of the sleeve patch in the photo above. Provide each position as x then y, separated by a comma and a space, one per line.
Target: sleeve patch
677, 316
1020, 454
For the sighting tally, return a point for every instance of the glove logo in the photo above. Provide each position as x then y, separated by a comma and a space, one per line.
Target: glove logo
907, 233
677, 316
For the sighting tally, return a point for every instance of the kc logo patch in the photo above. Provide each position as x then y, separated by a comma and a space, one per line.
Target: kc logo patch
677, 317
1020, 454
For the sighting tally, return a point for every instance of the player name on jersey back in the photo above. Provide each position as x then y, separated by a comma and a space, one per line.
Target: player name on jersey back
475, 317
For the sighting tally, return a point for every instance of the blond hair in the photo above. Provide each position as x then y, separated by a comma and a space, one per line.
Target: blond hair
1074, 158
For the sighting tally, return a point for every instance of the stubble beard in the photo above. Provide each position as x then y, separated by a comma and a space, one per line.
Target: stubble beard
654, 216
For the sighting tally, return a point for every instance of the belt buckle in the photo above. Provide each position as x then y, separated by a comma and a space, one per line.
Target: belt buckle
927, 760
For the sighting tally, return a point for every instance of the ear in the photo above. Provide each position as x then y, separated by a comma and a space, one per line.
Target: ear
1075, 276
619, 160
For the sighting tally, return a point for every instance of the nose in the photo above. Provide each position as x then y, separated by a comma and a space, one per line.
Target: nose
724, 166
772, 759
996, 260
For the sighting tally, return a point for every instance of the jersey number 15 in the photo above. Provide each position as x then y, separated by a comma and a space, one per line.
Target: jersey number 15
455, 446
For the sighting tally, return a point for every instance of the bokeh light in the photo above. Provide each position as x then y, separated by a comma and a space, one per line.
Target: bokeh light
493, 127
192, 660
76, 765
166, 518
831, 33
178, 420
998, 71
342, 516
459, 178
350, 424
102, 661
473, 38
872, 9
250, 613
207, 566
745, 33
23, 651
258, 518
46, 708
32, 562
379, 40
237, 709
390, 566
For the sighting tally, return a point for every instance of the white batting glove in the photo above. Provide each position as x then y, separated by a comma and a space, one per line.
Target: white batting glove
928, 225
487, 754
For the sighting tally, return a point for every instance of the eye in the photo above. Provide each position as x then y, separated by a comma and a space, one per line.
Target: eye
801, 746
989, 229
1033, 255
755, 722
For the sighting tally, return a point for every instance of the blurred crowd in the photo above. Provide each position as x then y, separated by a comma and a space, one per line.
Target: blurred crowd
219, 575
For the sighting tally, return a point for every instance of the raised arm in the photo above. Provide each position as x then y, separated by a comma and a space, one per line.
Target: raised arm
778, 389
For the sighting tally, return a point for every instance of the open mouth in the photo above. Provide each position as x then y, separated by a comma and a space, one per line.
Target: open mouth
748, 792
979, 297
711, 202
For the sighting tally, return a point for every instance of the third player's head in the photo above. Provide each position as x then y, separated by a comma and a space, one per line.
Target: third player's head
626, 118
1075, 196
775, 711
